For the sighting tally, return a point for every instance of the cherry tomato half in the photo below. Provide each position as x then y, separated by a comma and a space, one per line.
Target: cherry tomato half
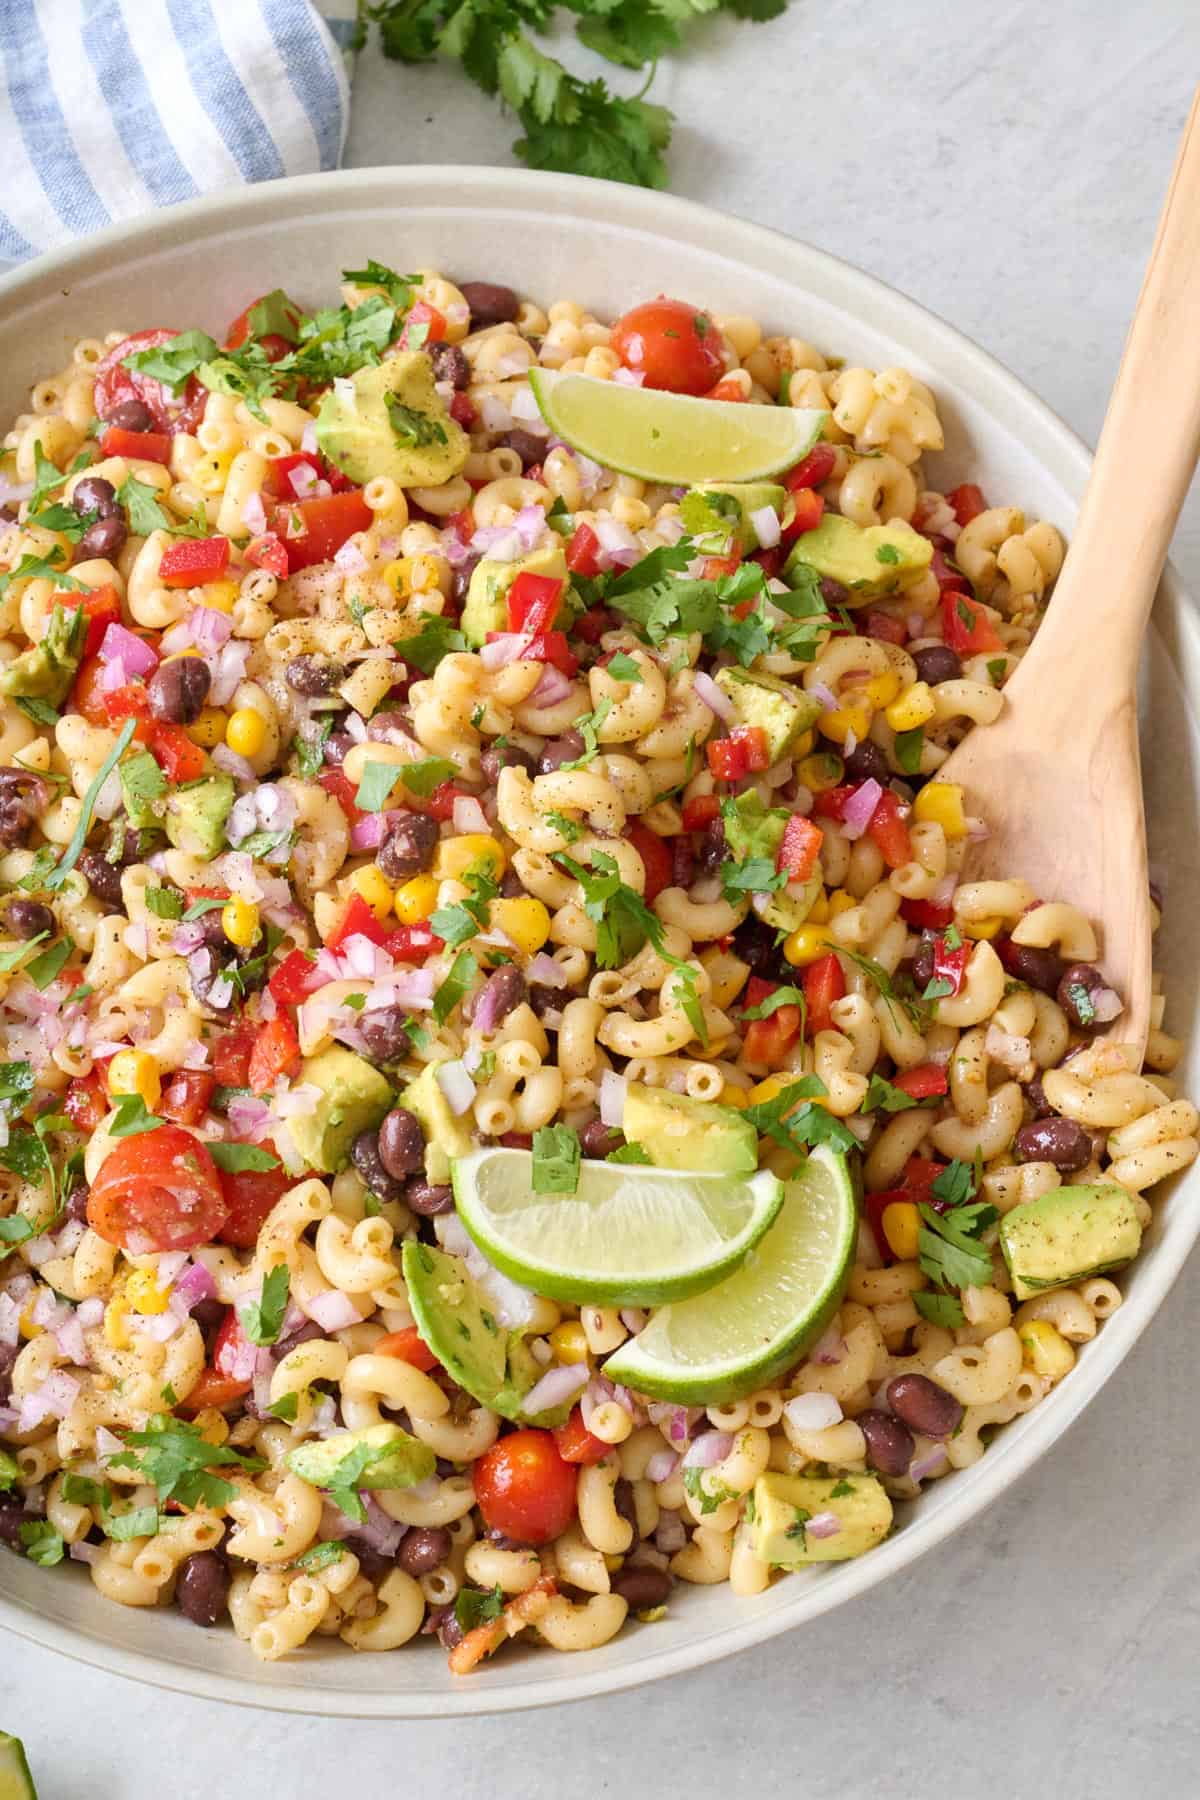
116, 385
157, 1191
250, 1194
575, 1442
524, 1488
673, 345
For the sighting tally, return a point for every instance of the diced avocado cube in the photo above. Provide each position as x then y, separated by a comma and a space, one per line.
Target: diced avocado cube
788, 907
196, 815
705, 510
868, 560
784, 712
378, 1456
1068, 1234
9, 1470
787, 1506
46, 670
446, 1136
354, 1097
393, 424
486, 606
677, 1132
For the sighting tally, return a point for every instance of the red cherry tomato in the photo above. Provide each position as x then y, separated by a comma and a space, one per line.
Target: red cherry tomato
231, 1057
524, 1488
115, 385
406, 1346
214, 1391
575, 1443
250, 1194
86, 1102
186, 1095
157, 1191
656, 859
313, 531
276, 1052
673, 345
274, 344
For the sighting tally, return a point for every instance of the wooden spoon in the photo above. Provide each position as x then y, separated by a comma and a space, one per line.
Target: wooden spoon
1057, 778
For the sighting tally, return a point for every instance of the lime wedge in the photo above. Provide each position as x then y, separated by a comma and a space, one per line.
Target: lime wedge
16, 1783
628, 1235
745, 1333
673, 438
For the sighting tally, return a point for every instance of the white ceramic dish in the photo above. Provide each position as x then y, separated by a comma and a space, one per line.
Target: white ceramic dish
554, 237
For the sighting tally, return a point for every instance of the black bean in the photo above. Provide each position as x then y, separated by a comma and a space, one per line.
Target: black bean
867, 762
178, 689
545, 1000
889, 1442
1076, 986
1035, 1094
683, 861
713, 851
202, 1587
503, 990
313, 675
382, 727
460, 581
212, 931
506, 756
22, 797
449, 1632
922, 964
624, 1504
754, 943
642, 1588
364, 1154
559, 750
490, 303
511, 885
422, 1549
1040, 969
937, 662
103, 537
923, 1405
303, 1334
8, 1356
832, 592
1059, 1141
337, 747
29, 918
427, 1199
94, 494
402, 1143
528, 446
210, 1315
12, 1517
131, 415
371, 1562
408, 847
598, 1139
450, 364
103, 877
383, 1033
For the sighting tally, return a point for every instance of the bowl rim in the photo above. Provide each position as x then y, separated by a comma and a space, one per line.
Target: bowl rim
1059, 451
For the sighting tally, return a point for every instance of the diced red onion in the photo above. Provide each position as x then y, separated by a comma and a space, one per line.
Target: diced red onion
414, 987
89, 1312
821, 691
552, 688
10, 1319
121, 645
767, 530
246, 1113
823, 1525
829, 1348
944, 892
241, 770
196, 1284
308, 438
333, 1311
468, 815
210, 629
545, 972
107, 1443
633, 1319
813, 1412
302, 479
524, 406
676, 1421
228, 668
112, 676
457, 1086
1107, 1004
301, 1097
662, 1465
254, 515
503, 649
860, 808
494, 413
613, 1089
69, 1338
628, 377
369, 832
929, 1464
356, 727
82, 1551
383, 1533
364, 958
54, 1398
710, 1448
499, 543
706, 690
186, 938
556, 1387
670, 529
350, 559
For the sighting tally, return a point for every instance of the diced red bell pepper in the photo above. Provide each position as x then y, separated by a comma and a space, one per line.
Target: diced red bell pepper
965, 625
190, 562
590, 627
926, 915
832, 803
656, 859
406, 1345
277, 483
230, 1057
948, 579
128, 702
875, 1205
533, 602
583, 552
140, 446
276, 1052
715, 568
186, 1096
726, 389
313, 531
890, 832
295, 979
462, 410
770, 561
551, 647
967, 501
440, 804
101, 608
824, 984
743, 752
812, 469
753, 740
700, 811
462, 525
343, 790
920, 1173
421, 313
413, 943
799, 848
357, 921
575, 1443
885, 626
802, 513
923, 1082
950, 963
212, 1392
517, 1140
175, 753
266, 552
767, 1041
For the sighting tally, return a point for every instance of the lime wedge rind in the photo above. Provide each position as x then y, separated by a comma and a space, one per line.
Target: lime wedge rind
673, 438
630, 1235
16, 1783
760, 1321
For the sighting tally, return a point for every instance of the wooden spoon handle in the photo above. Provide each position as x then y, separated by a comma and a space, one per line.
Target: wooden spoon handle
1145, 458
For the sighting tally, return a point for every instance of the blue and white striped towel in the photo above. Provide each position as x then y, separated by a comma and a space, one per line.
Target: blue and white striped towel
109, 108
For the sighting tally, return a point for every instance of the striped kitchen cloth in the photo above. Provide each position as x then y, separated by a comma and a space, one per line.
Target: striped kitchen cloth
109, 108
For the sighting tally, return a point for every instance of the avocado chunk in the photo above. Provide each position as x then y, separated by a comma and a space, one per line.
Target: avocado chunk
486, 606
446, 1135
9, 1470
788, 907
378, 1456
754, 831
677, 1132
196, 815
45, 671
725, 508
393, 423
496, 1367
868, 560
354, 1097
783, 712
1068, 1234
786, 1506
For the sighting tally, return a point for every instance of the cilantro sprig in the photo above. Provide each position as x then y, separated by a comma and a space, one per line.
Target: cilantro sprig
178, 1461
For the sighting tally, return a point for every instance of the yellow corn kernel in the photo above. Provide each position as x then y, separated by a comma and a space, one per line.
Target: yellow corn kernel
842, 720
806, 944
221, 594
840, 901
901, 1221
25, 1324
135, 1072
209, 729
211, 471
820, 772
569, 1342
524, 920
116, 1334
914, 707
476, 850
143, 1292
396, 575
416, 899
735, 1096
239, 922
803, 745
1047, 1351
881, 690
246, 732
373, 886
212, 1425
982, 928
941, 803
765, 1090
818, 912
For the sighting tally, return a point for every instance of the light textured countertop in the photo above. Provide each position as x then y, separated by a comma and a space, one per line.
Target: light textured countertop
1004, 165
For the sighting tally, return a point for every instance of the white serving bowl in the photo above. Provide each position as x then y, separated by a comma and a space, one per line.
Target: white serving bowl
555, 237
